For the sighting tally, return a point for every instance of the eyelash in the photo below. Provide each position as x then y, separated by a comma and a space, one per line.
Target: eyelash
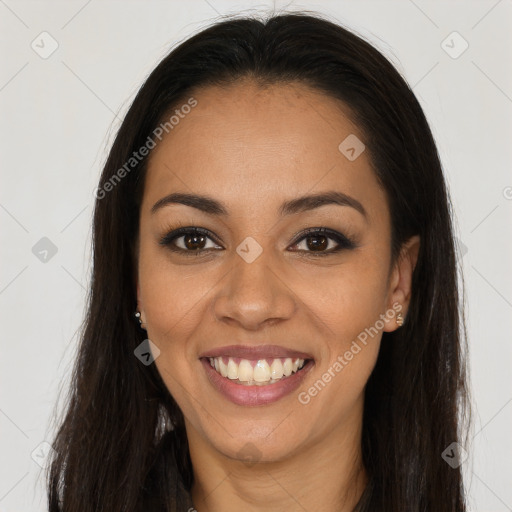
343, 241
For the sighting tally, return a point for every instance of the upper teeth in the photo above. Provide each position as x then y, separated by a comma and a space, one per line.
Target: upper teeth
256, 372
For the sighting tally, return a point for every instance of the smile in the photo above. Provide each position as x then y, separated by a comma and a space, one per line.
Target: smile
260, 372
255, 375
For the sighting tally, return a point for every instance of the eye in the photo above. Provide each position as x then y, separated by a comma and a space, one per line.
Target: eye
193, 241
188, 240
316, 241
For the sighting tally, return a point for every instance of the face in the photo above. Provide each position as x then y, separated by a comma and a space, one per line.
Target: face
253, 292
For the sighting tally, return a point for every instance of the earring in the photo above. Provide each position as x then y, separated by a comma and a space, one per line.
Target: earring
399, 319
137, 315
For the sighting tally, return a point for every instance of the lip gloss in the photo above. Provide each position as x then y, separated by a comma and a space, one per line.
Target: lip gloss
255, 395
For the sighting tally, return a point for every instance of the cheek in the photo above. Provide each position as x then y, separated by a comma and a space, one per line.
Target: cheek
349, 298
349, 353
172, 299
172, 295
351, 305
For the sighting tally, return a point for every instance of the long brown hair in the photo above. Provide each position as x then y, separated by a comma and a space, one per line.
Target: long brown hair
111, 451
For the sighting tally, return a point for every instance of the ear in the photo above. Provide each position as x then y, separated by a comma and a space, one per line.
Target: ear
400, 282
140, 306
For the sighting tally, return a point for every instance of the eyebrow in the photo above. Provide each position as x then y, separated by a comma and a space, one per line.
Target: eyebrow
301, 204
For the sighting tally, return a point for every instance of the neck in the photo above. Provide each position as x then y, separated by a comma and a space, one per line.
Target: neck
328, 476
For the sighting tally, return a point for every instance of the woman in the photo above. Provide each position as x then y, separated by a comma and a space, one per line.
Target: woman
273, 321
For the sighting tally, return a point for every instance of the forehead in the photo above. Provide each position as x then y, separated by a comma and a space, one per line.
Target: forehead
250, 146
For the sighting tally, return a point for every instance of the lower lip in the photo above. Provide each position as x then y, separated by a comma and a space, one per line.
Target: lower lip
241, 394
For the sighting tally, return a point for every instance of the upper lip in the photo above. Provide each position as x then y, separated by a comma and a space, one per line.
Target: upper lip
255, 352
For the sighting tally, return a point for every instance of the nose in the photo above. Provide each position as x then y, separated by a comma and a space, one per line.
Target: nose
254, 295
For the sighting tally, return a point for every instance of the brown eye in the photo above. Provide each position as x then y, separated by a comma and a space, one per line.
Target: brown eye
318, 240
188, 240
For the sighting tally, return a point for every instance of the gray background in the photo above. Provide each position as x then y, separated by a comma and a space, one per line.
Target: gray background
59, 113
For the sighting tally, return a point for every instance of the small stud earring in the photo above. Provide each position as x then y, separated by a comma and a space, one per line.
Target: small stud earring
399, 319
137, 315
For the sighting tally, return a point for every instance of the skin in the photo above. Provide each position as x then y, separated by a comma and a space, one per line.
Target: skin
253, 148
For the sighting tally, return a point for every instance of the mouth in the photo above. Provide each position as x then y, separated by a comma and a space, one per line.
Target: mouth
255, 375
260, 372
